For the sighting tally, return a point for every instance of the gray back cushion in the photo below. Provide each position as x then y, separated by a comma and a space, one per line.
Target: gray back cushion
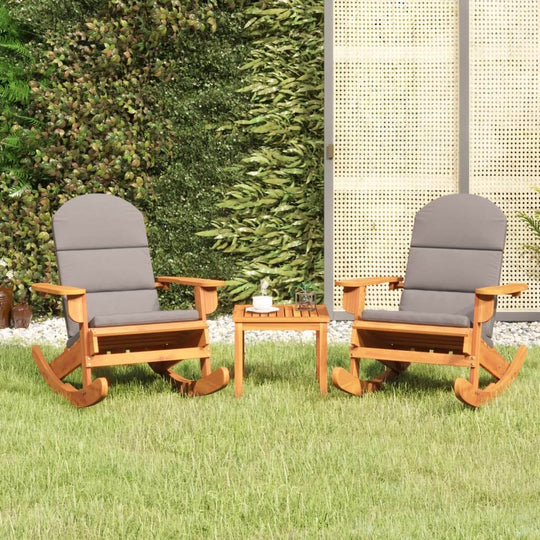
101, 245
456, 246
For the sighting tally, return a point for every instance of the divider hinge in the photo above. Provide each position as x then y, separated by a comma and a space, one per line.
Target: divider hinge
330, 151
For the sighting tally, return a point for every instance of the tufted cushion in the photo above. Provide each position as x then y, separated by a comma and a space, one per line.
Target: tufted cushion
101, 246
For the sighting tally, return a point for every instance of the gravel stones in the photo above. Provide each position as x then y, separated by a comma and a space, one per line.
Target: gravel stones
53, 332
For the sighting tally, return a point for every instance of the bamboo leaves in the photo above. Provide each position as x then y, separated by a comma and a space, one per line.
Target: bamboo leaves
272, 220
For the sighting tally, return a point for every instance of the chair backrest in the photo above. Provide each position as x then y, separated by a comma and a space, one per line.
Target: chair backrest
101, 245
456, 246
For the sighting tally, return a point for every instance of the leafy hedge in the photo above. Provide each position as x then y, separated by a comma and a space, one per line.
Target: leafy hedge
201, 97
272, 225
104, 128
25, 240
104, 99
145, 99
15, 141
18, 243
40, 17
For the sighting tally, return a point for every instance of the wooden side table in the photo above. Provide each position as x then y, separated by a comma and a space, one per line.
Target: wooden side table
286, 318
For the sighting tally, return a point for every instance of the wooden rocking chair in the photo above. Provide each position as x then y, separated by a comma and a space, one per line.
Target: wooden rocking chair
447, 304
111, 304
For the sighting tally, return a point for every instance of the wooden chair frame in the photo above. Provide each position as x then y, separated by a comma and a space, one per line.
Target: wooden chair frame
397, 344
161, 345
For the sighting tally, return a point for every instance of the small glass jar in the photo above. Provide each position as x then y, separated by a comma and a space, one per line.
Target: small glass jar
304, 301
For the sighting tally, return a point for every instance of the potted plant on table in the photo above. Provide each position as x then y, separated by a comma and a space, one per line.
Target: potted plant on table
305, 297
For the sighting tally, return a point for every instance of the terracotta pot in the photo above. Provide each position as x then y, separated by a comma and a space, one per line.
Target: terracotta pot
6, 301
21, 314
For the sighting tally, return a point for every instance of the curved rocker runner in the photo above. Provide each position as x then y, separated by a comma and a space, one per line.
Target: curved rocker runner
111, 304
92, 394
447, 305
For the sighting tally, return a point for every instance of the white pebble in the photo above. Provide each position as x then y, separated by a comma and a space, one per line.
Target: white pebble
53, 332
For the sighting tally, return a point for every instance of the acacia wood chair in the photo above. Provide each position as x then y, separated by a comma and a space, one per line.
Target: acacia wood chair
111, 303
447, 304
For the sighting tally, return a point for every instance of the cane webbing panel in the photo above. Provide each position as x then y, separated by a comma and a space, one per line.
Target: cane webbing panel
372, 233
505, 127
395, 130
379, 23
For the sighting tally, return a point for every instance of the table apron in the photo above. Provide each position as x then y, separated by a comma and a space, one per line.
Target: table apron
281, 326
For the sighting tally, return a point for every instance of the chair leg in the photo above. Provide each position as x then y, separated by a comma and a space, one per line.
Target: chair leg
90, 394
205, 367
471, 395
356, 341
355, 367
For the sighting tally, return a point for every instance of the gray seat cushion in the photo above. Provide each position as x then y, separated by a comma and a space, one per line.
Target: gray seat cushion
417, 317
149, 317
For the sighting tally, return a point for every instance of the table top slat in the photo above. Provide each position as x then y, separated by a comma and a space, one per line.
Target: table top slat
285, 313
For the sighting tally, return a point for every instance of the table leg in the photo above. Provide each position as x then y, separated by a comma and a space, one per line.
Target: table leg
317, 347
238, 359
322, 358
243, 354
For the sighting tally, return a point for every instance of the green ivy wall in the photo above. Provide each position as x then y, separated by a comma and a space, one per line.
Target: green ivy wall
208, 117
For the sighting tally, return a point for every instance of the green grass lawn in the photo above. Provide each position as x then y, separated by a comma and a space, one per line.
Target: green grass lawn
282, 462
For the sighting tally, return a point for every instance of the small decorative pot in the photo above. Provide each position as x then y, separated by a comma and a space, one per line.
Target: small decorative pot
304, 301
6, 301
21, 314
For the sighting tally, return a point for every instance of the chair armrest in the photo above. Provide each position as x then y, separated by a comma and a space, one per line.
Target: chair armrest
76, 299
205, 291
354, 293
362, 282
63, 290
515, 289
193, 282
484, 302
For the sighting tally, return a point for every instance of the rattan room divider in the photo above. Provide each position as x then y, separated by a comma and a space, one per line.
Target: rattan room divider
425, 98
